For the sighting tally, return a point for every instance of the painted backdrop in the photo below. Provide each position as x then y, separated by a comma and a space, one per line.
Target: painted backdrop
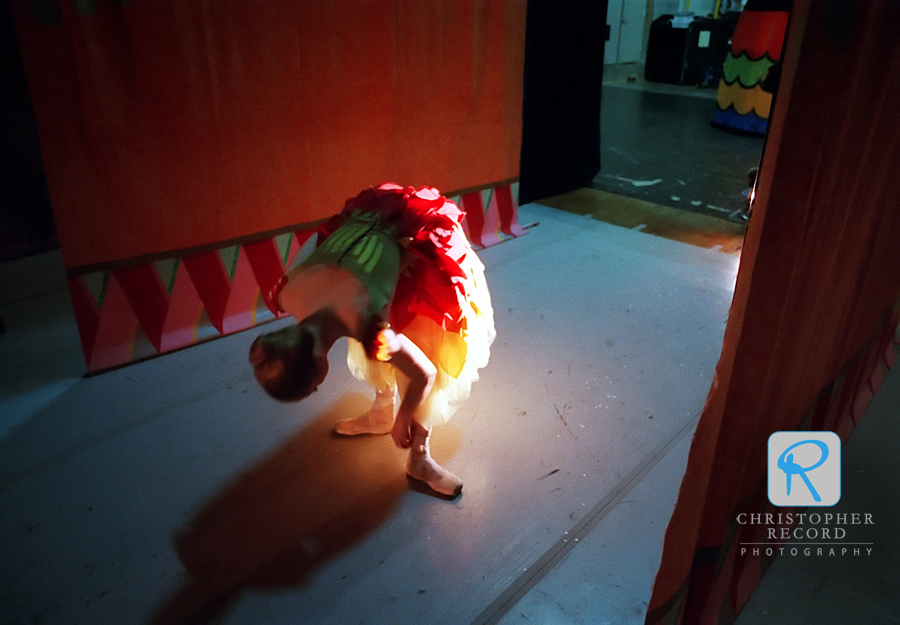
176, 135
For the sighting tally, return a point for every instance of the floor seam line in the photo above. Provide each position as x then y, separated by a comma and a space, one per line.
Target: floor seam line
561, 548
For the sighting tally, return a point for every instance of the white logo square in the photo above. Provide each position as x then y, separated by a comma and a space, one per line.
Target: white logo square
804, 468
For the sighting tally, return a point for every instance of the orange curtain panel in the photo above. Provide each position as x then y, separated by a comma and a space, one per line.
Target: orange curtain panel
174, 128
812, 326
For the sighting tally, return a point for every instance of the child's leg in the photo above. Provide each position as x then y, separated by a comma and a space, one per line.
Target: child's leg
421, 466
378, 420
379, 375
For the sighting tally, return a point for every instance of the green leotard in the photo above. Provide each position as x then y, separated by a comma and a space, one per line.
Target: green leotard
369, 250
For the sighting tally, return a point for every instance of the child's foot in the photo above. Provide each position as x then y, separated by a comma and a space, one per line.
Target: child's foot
422, 467
375, 421
378, 420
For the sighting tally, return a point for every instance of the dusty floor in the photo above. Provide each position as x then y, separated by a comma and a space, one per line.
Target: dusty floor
176, 487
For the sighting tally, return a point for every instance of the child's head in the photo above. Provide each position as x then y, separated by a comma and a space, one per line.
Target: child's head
287, 363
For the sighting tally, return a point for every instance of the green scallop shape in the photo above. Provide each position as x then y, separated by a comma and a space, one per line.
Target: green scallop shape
748, 71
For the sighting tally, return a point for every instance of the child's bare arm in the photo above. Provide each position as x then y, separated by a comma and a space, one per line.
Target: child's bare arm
415, 365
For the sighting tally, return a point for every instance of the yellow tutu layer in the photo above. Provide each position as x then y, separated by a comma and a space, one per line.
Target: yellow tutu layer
458, 357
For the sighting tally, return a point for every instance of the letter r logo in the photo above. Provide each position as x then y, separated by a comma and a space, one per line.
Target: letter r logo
804, 468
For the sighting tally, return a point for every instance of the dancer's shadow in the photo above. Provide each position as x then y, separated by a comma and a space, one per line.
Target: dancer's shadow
310, 500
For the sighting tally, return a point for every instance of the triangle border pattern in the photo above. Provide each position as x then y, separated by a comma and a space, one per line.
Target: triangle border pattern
142, 314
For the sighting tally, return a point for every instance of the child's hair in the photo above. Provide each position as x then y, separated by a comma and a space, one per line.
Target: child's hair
294, 347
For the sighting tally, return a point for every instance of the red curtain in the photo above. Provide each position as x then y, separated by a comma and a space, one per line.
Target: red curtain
815, 304
167, 125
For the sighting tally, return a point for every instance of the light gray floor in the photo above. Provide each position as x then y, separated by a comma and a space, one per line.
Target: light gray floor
113, 488
175, 487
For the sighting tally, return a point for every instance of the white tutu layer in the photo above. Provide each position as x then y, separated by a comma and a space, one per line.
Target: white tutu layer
450, 352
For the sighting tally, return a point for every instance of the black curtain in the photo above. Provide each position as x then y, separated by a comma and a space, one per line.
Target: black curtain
26, 219
561, 102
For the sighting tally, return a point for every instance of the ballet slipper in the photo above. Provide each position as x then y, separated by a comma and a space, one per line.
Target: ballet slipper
378, 420
422, 467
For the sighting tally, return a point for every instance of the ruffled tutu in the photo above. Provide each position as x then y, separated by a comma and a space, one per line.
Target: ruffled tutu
441, 302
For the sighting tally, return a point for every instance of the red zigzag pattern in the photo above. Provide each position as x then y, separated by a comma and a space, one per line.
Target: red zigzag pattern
131, 314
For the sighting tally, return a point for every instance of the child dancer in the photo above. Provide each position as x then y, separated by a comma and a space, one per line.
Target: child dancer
395, 274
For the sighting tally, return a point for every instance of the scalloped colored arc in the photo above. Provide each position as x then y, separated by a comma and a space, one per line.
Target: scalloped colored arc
759, 33
744, 100
748, 72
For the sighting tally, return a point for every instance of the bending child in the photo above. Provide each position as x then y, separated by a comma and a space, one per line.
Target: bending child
395, 274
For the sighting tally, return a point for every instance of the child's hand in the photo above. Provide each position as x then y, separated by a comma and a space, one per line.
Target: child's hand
401, 431
412, 362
